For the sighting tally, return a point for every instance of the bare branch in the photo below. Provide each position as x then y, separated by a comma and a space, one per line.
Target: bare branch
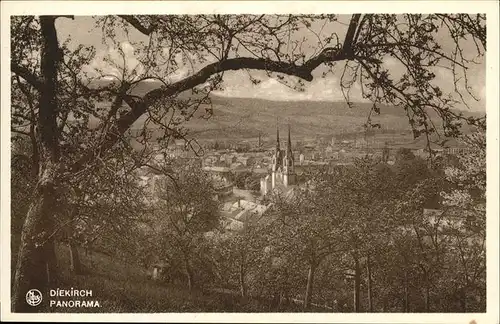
26, 75
349, 38
20, 132
138, 25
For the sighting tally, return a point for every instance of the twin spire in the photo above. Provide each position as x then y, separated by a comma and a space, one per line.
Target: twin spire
283, 161
277, 135
289, 142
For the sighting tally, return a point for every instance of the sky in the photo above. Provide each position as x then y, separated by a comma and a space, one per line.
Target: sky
237, 83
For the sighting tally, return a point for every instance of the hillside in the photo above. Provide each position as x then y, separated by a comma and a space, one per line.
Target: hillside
244, 118
124, 287
238, 119
306, 119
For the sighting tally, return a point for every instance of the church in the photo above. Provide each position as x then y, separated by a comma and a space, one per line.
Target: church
283, 168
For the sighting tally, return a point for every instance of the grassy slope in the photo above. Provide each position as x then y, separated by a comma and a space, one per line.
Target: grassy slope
124, 287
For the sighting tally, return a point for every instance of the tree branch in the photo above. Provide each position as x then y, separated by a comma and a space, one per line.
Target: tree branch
72, 17
348, 42
19, 132
26, 74
138, 25
139, 106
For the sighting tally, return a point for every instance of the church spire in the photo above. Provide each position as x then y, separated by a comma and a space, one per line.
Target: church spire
277, 135
289, 174
289, 144
278, 154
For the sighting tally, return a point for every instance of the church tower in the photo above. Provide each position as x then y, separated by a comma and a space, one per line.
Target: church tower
277, 161
289, 163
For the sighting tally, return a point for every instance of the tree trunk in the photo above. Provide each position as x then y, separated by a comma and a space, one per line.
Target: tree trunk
407, 293
243, 288
89, 255
35, 261
427, 292
75, 264
369, 285
35, 166
51, 264
463, 299
427, 299
357, 284
189, 275
309, 288
36, 252
286, 297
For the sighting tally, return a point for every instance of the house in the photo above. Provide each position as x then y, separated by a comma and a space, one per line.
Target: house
235, 167
158, 270
361, 143
246, 160
239, 214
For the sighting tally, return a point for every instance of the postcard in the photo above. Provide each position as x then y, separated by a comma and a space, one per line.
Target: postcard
252, 161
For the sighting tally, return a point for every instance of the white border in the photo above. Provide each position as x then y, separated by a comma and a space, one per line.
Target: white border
189, 7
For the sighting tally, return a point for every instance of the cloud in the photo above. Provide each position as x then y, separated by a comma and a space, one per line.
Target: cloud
238, 84
127, 48
482, 93
82, 31
475, 81
110, 62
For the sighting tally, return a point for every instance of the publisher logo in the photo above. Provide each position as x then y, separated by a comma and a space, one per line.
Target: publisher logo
34, 297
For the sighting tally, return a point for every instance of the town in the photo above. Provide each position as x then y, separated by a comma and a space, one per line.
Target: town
244, 172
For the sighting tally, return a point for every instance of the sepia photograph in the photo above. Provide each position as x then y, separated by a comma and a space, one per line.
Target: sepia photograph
320, 160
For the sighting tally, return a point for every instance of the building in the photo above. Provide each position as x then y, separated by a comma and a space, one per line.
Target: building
282, 168
301, 158
240, 214
361, 143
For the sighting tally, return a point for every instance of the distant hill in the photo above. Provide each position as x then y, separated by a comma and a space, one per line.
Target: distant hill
244, 118
306, 118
